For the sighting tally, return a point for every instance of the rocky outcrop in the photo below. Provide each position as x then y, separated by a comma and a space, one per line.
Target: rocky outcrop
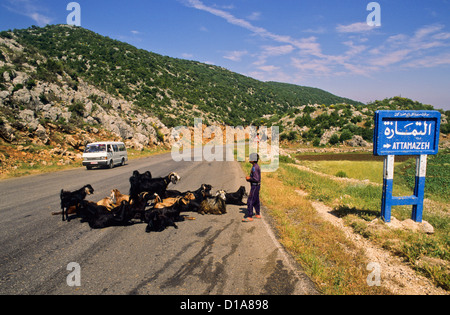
358, 141
68, 104
7, 132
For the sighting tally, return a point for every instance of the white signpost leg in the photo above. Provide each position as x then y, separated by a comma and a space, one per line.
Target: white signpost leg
388, 185
416, 200
419, 190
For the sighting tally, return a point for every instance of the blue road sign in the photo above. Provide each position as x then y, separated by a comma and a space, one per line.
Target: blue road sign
406, 133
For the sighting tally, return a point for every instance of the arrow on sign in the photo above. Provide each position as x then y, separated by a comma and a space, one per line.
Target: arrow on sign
387, 146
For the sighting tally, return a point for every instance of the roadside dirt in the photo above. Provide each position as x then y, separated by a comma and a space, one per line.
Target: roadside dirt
396, 276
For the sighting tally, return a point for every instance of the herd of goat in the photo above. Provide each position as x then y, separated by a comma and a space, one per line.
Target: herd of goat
149, 201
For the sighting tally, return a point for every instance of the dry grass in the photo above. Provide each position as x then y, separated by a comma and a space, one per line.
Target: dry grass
332, 262
353, 169
360, 204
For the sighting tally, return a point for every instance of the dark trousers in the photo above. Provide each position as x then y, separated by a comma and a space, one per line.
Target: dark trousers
253, 201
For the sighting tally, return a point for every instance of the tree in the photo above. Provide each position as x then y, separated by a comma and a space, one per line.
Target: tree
345, 135
334, 139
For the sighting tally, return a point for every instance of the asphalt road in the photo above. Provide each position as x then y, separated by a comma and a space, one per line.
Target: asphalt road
213, 255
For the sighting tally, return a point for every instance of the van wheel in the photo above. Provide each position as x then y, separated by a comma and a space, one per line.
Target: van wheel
111, 164
123, 162
89, 168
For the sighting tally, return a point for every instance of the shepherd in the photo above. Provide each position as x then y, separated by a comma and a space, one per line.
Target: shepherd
253, 199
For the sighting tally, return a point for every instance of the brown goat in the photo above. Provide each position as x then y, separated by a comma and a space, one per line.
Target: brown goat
169, 202
117, 197
107, 203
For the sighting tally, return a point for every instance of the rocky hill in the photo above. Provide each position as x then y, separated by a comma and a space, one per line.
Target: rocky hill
62, 87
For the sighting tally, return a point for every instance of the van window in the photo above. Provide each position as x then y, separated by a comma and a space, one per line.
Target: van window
122, 148
95, 148
115, 148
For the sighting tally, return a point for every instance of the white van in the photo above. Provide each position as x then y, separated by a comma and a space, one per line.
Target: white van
106, 154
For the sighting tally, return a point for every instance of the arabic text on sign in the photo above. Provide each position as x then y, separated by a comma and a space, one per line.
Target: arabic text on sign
422, 129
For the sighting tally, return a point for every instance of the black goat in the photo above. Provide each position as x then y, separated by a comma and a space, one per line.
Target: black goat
140, 184
73, 199
236, 198
136, 179
139, 205
144, 176
99, 217
200, 194
159, 219
215, 205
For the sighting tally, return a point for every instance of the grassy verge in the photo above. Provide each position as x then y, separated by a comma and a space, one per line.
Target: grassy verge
438, 176
351, 169
329, 259
360, 204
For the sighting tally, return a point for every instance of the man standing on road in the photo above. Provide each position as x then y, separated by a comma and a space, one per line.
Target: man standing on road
253, 199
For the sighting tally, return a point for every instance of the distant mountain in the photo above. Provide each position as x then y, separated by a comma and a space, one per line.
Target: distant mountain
62, 87
174, 90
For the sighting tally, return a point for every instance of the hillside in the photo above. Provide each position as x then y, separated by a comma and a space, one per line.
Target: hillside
172, 89
62, 87
337, 124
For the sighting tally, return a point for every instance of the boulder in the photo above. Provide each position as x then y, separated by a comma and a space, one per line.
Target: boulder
358, 141
410, 225
41, 133
142, 139
7, 132
51, 112
22, 96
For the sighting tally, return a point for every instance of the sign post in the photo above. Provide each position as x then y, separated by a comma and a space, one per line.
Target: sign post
405, 133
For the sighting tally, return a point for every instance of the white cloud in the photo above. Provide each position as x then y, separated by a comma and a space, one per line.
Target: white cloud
30, 9
360, 27
354, 50
187, 56
390, 58
309, 46
272, 51
269, 68
235, 55
430, 61
361, 57
278, 50
419, 50
306, 44
319, 30
312, 66
427, 30
255, 16
442, 36
40, 19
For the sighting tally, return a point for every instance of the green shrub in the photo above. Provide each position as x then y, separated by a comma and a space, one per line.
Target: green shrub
334, 139
341, 174
345, 135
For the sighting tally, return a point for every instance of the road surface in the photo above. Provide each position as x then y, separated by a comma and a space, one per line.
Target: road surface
213, 255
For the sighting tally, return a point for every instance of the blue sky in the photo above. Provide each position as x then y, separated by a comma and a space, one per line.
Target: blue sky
321, 43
